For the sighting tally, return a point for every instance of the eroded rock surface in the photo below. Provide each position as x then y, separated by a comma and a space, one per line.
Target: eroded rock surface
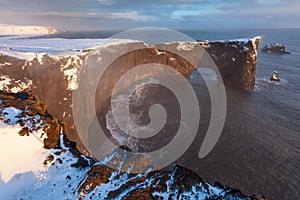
53, 78
47, 82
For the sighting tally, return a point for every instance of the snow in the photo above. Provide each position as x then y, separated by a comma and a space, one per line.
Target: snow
254, 44
56, 48
17, 54
22, 172
18, 86
71, 70
43, 182
24, 176
26, 48
71, 75
8, 29
22, 154
186, 46
11, 114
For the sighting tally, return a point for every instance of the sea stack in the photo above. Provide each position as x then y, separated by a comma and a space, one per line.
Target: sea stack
274, 77
275, 48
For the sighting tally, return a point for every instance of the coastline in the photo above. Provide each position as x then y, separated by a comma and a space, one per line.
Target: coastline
236, 136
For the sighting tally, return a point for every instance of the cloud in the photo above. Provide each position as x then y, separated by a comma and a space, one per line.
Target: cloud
115, 15
67, 14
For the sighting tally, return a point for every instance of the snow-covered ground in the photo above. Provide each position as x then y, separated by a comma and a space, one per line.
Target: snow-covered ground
8, 29
23, 173
20, 154
57, 48
18, 46
26, 175
27, 48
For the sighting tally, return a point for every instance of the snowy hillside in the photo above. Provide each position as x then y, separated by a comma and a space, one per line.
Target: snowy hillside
7, 29
29, 171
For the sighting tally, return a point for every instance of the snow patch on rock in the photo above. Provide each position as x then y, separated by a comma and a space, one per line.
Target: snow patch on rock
186, 46
71, 70
14, 86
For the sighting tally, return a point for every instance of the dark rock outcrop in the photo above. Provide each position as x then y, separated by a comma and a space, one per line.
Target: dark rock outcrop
236, 61
275, 48
179, 183
275, 77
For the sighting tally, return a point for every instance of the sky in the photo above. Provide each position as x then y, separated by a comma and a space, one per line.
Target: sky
79, 15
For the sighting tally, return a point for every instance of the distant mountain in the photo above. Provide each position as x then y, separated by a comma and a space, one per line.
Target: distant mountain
8, 29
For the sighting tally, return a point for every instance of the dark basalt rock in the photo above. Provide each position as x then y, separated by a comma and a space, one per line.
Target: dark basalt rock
274, 77
178, 183
275, 48
236, 61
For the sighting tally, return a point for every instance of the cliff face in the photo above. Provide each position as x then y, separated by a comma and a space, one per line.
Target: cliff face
53, 78
67, 174
50, 80
236, 61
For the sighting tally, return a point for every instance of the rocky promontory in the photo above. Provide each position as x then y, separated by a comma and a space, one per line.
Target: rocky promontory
236, 61
52, 78
43, 83
71, 175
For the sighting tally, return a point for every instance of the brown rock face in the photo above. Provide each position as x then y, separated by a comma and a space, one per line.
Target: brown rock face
52, 78
236, 61
103, 182
178, 183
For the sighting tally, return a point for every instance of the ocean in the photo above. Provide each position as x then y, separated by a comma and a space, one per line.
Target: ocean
259, 149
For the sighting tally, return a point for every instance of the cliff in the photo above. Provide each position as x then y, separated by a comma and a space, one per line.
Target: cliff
42, 84
52, 78
67, 174
236, 61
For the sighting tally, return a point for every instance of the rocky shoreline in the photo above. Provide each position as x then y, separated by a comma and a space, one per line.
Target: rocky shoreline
177, 182
43, 86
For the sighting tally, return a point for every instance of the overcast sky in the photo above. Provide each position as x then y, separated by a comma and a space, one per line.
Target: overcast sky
123, 14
